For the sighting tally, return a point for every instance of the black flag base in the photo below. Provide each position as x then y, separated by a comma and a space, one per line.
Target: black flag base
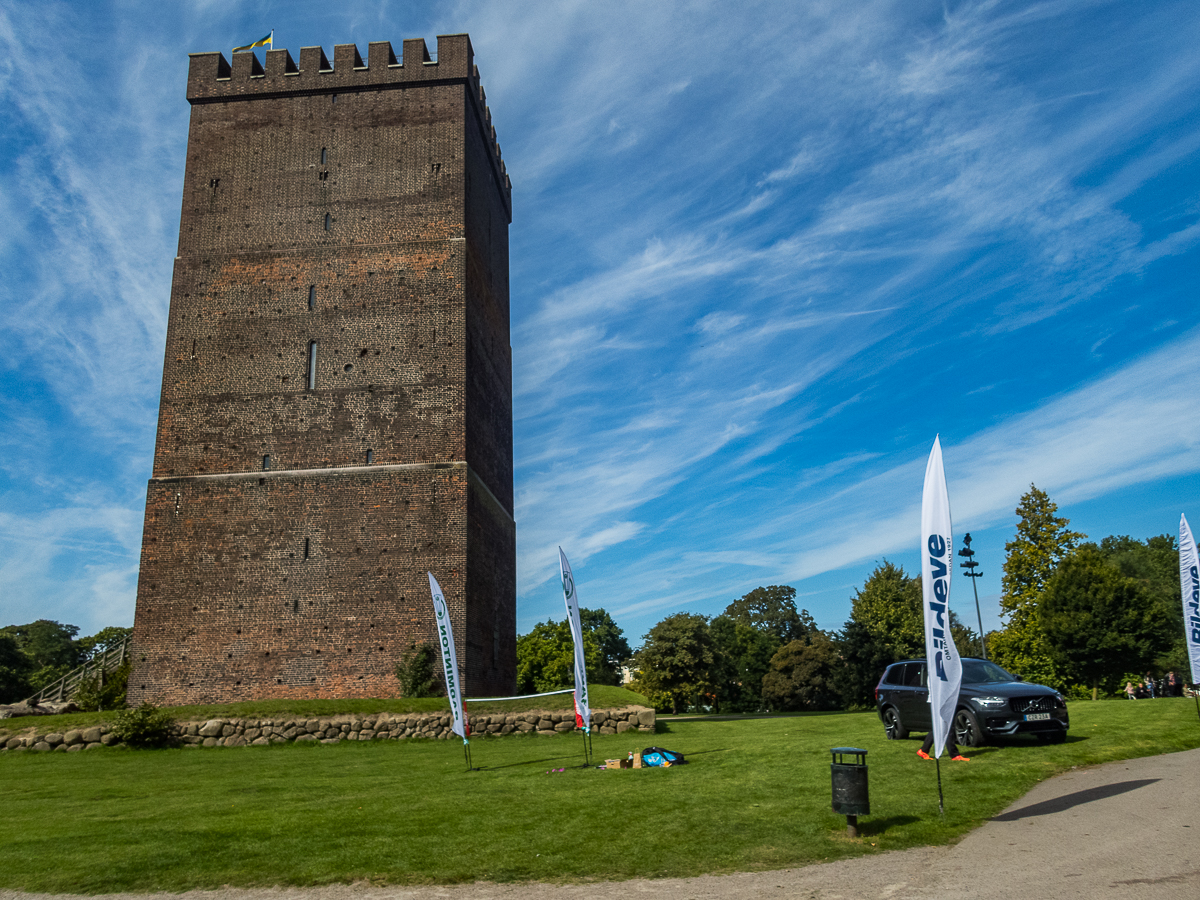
937, 762
587, 748
467, 755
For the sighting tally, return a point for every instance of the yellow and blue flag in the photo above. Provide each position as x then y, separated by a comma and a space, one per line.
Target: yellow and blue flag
268, 41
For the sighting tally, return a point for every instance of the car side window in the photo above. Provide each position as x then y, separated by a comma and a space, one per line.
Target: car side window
914, 675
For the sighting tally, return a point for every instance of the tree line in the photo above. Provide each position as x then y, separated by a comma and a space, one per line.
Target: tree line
1078, 616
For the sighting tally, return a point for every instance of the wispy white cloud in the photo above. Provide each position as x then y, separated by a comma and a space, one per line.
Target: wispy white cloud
752, 268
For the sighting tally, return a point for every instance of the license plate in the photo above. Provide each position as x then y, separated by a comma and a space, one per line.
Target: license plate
1036, 717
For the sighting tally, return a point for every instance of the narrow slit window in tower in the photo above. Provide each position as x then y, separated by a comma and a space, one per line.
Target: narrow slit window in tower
306, 548
324, 155
328, 221
312, 365
312, 296
266, 461
370, 457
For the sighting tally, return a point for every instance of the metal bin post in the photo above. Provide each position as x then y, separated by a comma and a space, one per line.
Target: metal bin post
849, 781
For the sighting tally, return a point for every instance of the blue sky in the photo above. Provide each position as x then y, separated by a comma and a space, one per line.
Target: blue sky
761, 254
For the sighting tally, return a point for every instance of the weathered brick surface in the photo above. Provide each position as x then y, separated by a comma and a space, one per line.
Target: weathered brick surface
363, 209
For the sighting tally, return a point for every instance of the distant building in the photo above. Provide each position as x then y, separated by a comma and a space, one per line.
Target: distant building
336, 413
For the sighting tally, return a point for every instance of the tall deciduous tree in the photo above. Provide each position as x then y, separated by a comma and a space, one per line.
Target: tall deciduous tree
15, 669
677, 661
1154, 564
1042, 541
801, 675
773, 610
1099, 624
614, 649
546, 658
50, 648
103, 640
743, 658
886, 624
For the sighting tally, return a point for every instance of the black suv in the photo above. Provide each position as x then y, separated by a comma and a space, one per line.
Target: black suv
991, 703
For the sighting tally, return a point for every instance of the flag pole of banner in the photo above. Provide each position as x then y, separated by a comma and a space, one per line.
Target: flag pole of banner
1189, 585
937, 562
268, 42
459, 723
583, 713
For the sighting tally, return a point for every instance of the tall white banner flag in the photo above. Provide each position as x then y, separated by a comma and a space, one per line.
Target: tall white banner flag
1189, 583
937, 562
583, 715
449, 660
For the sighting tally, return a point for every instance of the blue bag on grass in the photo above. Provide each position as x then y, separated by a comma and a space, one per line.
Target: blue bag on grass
657, 756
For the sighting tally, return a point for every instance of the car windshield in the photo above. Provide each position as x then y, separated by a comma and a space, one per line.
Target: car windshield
979, 671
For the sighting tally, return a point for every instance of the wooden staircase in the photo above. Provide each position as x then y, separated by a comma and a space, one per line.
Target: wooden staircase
65, 687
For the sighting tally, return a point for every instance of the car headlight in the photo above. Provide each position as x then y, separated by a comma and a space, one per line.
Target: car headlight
1062, 701
991, 702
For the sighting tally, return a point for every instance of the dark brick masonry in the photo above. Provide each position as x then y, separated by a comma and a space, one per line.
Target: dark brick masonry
336, 412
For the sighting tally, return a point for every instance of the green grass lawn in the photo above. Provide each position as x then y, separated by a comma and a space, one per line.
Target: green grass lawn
755, 796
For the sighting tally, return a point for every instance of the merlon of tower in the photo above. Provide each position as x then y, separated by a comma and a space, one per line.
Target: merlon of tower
211, 78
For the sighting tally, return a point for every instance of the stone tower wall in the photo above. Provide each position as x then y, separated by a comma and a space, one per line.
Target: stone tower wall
291, 516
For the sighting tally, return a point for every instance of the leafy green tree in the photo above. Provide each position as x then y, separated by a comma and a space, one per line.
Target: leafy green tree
614, 649
50, 648
104, 690
1098, 623
864, 656
15, 669
886, 624
546, 658
677, 661
743, 658
889, 607
802, 675
102, 641
1154, 564
772, 610
417, 671
1042, 541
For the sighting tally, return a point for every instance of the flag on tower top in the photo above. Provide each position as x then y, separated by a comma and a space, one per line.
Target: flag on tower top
268, 41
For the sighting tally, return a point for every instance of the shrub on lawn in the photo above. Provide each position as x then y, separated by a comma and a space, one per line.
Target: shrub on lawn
144, 726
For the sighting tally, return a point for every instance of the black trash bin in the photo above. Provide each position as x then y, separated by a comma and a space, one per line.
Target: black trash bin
849, 782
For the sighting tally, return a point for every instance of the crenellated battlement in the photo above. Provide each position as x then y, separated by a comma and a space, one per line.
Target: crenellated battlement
212, 78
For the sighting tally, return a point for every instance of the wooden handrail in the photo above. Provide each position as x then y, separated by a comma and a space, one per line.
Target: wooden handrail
65, 687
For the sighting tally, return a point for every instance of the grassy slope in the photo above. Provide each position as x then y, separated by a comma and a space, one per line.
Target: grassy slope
601, 697
755, 796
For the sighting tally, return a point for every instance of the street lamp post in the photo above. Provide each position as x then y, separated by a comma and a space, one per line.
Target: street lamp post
970, 565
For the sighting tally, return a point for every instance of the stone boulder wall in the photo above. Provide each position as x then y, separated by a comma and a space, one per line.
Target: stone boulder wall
239, 732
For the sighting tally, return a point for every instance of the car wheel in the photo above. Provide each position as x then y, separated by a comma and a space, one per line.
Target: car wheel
893, 726
967, 732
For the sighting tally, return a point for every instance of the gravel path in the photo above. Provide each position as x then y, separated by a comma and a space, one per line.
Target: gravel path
1122, 830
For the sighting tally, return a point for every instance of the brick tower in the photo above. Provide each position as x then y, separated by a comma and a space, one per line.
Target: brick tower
336, 413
